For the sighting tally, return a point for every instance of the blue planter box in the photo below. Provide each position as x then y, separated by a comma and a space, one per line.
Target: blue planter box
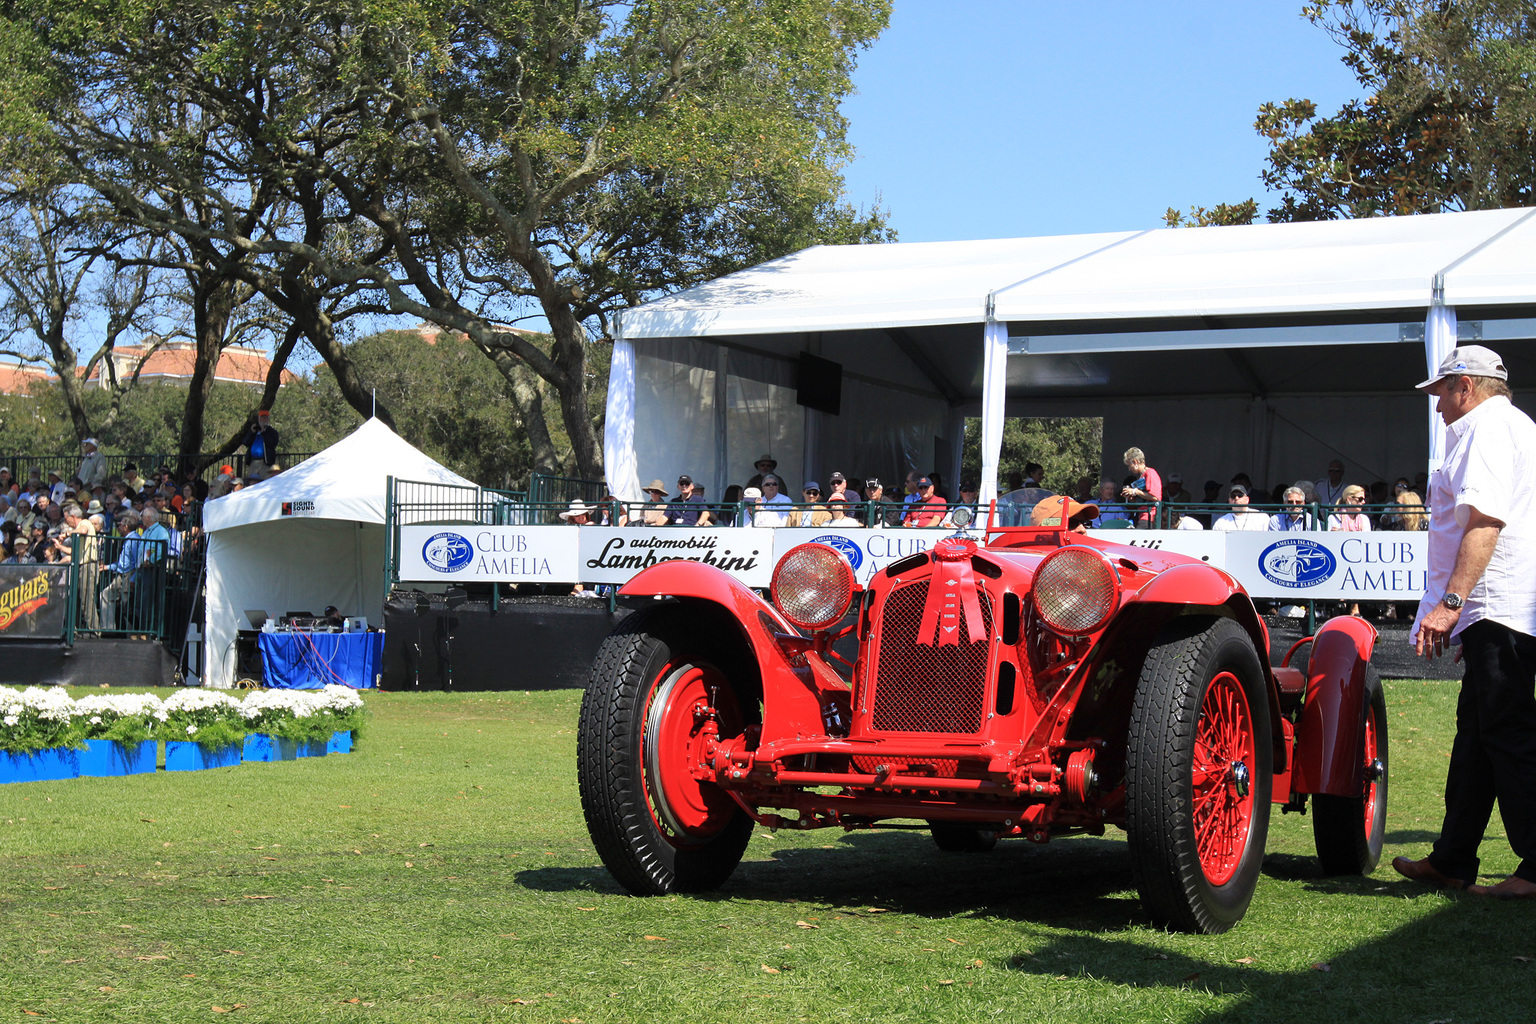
104, 758
194, 757
40, 765
341, 743
261, 747
313, 748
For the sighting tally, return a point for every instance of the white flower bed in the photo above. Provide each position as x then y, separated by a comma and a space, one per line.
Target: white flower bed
44, 716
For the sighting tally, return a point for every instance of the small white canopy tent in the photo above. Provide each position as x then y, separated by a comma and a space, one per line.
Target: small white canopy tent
308, 537
1270, 348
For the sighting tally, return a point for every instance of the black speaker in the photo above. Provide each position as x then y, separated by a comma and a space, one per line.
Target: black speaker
819, 384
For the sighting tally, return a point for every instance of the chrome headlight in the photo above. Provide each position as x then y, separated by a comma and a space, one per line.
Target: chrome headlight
813, 586
1076, 590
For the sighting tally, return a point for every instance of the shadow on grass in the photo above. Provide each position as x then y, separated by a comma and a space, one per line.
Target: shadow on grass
1466, 961
1403, 837
1081, 882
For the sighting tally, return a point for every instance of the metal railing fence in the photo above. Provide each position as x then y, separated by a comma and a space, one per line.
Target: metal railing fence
147, 462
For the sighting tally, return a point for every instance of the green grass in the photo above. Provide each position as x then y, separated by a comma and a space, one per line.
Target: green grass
442, 872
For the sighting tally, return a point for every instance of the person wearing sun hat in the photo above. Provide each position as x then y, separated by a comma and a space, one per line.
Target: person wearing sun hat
1047, 512
654, 511
579, 514
764, 465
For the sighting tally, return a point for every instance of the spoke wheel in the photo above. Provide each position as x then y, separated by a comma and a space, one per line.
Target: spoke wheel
1222, 778
1349, 830
657, 819
1198, 764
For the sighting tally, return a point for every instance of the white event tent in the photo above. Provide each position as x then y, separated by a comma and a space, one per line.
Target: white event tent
1268, 348
308, 537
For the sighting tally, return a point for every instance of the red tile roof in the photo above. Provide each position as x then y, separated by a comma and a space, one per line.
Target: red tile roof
174, 360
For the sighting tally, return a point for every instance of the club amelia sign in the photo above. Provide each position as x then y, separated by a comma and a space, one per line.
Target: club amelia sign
1287, 566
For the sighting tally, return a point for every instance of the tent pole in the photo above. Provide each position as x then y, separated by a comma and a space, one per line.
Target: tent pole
620, 464
1439, 340
994, 401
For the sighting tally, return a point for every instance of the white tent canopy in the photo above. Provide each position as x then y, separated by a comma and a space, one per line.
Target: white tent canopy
1270, 348
306, 538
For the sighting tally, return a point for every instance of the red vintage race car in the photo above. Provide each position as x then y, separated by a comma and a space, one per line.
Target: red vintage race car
1039, 684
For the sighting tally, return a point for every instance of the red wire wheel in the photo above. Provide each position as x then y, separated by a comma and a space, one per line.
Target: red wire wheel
1349, 830
657, 817
1223, 778
1198, 775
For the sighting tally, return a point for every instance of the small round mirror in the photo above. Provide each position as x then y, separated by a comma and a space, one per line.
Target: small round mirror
962, 516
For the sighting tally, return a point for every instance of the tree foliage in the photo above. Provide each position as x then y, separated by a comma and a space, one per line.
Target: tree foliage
1448, 121
1067, 448
468, 164
449, 401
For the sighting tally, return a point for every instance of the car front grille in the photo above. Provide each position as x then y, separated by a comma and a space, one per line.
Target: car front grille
926, 687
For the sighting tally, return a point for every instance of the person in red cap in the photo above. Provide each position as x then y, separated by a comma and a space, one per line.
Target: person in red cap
1048, 513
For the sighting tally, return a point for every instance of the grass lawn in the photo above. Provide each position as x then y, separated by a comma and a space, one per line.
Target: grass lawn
442, 872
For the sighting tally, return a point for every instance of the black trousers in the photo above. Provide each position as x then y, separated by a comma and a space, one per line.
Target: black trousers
1494, 755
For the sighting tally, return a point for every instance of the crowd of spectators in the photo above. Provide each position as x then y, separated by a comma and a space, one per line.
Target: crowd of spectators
125, 530
1332, 503
768, 500
1143, 499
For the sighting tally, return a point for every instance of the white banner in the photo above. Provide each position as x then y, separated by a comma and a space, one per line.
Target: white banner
1205, 545
868, 551
1295, 566
616, 555
1386, 566
489, 554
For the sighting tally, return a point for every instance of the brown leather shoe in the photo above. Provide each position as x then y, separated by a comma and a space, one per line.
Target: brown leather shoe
1511, 888
1424, 871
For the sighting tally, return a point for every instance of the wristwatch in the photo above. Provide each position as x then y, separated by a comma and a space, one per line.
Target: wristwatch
1453, 601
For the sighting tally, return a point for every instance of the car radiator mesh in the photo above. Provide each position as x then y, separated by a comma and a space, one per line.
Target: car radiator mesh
927, 687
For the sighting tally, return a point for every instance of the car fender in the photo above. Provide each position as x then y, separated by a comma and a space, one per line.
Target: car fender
792, 702
1198, 585
1327, 757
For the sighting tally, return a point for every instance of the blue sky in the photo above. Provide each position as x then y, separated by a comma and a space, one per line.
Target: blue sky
1007, 118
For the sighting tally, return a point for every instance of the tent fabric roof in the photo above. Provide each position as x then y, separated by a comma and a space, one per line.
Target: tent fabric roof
1487, 258
346, 481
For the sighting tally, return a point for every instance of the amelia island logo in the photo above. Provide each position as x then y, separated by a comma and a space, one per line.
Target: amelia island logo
1297, 563
447, 552
844, 545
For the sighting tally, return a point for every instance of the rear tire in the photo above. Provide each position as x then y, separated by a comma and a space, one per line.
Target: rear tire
1349, 830
1198, 764
656, 827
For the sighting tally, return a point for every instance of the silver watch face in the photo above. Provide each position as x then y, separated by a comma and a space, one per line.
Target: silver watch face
1452, 601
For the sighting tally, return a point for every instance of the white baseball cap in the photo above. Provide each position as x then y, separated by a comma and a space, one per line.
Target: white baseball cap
1469, 361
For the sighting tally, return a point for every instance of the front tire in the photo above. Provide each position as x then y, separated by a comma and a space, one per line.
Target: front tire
1198, 775
658, 828
1349, 830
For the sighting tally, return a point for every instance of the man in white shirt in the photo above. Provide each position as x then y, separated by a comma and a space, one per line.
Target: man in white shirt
1482, 594
773, 494
1295, 518
1241, 517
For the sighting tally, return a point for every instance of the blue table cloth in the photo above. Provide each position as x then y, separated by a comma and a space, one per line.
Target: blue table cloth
307, 661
